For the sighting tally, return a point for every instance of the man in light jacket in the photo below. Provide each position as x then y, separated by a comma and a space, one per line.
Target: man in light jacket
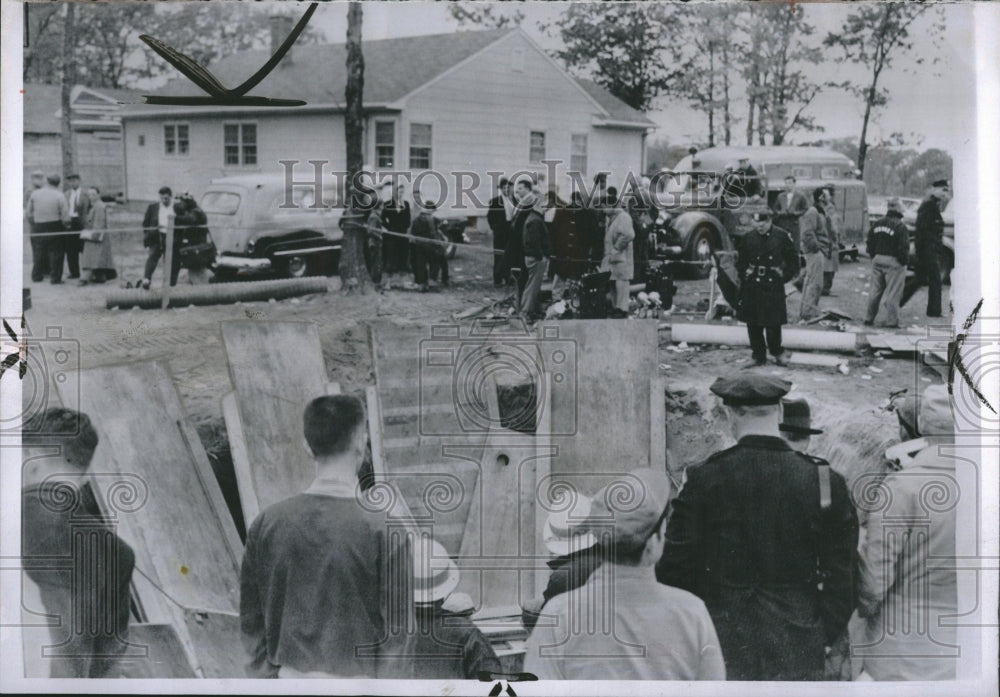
908, 590
618, 250
815, 239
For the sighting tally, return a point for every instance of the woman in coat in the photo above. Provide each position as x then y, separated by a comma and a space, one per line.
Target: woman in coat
97, 259
618, 251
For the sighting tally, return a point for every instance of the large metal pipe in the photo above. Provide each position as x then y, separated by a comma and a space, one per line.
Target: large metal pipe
218, 293
791, 338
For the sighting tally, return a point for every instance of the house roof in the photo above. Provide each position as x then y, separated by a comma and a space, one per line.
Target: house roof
616, 108
393, 69
43, 104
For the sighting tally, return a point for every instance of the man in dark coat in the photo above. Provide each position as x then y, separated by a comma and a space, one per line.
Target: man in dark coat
396, 217
154, 226
888, 247
766, 262
789, 206
79, 210
500, 217
928, 234
766, 537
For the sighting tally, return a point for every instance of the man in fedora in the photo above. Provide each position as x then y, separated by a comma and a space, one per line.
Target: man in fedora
928, 233
575, 556
622, 624
796, 424
908, 592
766, 537
447, 646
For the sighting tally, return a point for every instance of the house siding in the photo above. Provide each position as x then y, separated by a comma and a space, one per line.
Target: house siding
483, 114
98, 158
300, 137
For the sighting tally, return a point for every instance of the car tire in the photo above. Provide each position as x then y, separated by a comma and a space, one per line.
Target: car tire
223, 275
700, 249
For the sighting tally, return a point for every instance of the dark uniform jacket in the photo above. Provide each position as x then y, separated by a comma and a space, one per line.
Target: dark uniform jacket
396, 216
535, 236
929, 226
497, 220
747, 536
889, 236
765, 263
448, 646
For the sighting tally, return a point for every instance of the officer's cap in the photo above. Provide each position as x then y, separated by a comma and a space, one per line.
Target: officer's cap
750, 390
893, 204
632, 505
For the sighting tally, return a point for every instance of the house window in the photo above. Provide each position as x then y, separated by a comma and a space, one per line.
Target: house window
536, 151
420, 146
385, 144
142, 140
175, 139
240, 143
578, 153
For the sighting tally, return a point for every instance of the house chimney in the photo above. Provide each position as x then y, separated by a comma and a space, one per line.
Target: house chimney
281, 27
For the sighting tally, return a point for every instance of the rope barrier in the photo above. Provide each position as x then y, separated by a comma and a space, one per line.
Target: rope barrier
352, 224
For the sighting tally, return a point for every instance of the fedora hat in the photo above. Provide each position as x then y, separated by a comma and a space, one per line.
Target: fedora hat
435, 575
563, 532
795, 417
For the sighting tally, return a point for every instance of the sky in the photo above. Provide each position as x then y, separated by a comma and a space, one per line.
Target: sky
927, 100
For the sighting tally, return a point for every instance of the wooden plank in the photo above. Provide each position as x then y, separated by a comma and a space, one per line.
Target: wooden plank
540, 498
241, 459
600, 384
165, 656
276, 369
215, 639
145, 475
496, 527
819, 360
658, 423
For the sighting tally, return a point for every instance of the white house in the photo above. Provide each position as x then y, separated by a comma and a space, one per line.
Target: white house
478, 102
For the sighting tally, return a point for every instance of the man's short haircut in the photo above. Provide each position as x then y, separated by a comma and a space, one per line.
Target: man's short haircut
755, 410
54, 179
504, 181
165, 190
72, 176
790, 176
330, 423
72, 430
818, 194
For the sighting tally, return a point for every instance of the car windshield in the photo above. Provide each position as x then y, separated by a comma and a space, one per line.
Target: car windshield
220, 202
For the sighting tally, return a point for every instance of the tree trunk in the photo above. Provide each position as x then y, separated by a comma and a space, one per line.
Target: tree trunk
353, 273
727, 121
863, 144
68, 80
751, 106
711, 95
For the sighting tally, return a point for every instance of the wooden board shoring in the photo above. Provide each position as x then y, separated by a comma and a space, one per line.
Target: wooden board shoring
276, 369
152, 474
600, 372
497, 555
165, 657
217, 645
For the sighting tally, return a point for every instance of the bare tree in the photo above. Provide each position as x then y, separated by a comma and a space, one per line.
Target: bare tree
68, 80
43, 52
486, 14
873, 36
353, 272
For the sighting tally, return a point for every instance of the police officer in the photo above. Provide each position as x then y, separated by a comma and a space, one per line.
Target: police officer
766, 262
888, 247
766, 537
929, 231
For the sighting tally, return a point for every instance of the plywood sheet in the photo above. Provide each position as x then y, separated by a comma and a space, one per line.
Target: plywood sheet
276, 369
601, 372
151, 474
216, 643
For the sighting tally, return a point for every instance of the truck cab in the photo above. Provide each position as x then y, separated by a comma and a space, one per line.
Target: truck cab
697, 218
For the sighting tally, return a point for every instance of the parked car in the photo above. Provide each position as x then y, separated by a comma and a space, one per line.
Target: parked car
256, 230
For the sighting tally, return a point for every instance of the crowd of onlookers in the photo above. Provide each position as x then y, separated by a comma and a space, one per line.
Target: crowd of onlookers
756, 570
67, 230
